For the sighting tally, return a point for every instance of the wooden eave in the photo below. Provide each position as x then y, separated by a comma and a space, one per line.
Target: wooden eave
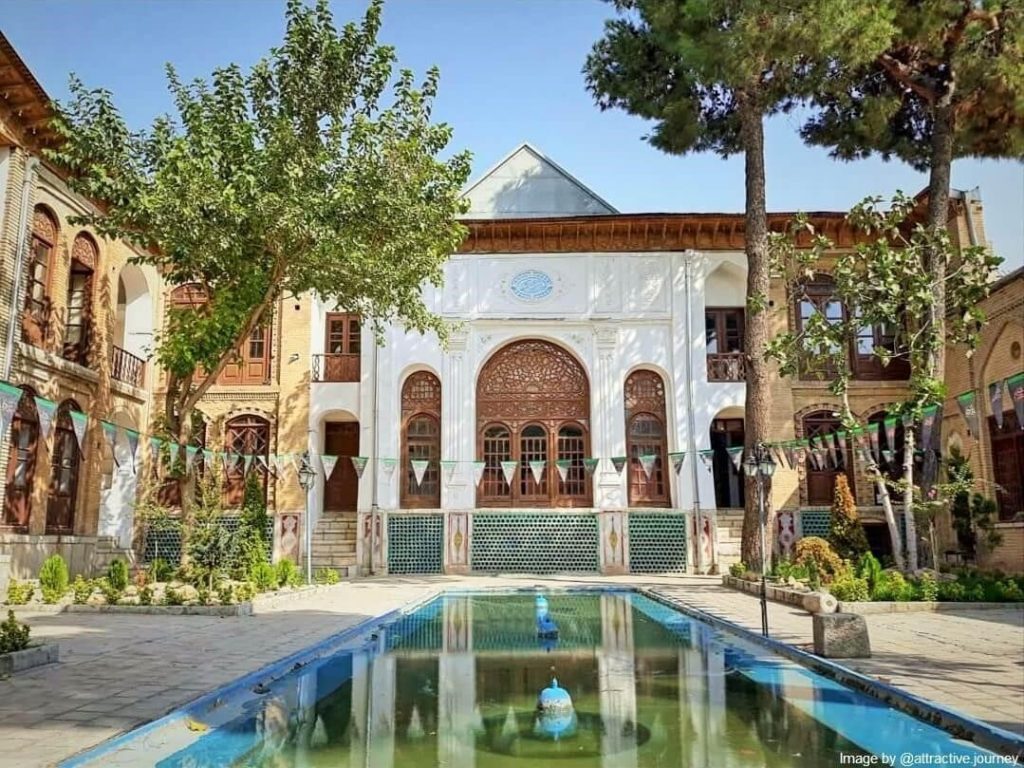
25, 100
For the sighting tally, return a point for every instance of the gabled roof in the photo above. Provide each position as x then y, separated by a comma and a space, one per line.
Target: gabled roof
24, 97
525, 184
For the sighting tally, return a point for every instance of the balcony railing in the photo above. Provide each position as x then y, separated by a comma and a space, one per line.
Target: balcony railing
727, 366
126, 367
336, 367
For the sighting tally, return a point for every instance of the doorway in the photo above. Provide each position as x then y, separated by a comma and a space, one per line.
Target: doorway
341, 490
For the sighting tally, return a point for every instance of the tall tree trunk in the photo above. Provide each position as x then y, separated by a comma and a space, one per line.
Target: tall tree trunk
757, 332
938, 215
908, 497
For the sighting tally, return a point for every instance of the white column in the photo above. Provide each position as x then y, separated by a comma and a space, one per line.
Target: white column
617, 683
456, 418
381, 714
609, 422
456, 745
358, 723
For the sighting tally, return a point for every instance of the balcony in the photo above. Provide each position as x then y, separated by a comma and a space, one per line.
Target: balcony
336, 367
126, 367
726, 367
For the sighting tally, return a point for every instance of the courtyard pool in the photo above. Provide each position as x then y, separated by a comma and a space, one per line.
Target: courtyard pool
617, 680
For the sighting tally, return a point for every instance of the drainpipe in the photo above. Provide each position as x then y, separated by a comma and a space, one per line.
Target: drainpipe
374, 507
691, 421
19, 260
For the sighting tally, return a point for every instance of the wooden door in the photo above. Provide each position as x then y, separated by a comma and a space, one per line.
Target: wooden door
60, 507
21, 469
341, 492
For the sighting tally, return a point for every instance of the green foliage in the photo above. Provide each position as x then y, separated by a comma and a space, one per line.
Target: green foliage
850, 589
287, 574
53, 578
211, 546
326, 576
264, 576
146, 595
973, 517
160, 570
737, 570
111, 592
892, 586
203, 596
117, 574
226, 593
245, 591
928, 588
174, 596
952, 591
786, 569
19, 592
815, 550
869, 569
847, 535
81, 590
13, 635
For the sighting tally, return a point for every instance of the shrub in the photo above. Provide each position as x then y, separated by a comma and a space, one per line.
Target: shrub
13, 635
117, 574
146, 595
850, 589
203, 596
173, 596
951, 591
928, 588
814, 549
870, 569
19, 592
226, 593
251, 545
737, 570
330, 576
160, 570
893, 586
847, 534
81, 590
53, 578
111, 593
288, 574
245, 592
264, 576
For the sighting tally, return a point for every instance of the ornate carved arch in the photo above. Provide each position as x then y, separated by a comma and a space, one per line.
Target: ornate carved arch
646, 435
533, 379
421, 440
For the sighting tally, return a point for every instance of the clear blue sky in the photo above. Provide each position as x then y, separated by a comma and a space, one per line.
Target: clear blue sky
510, 71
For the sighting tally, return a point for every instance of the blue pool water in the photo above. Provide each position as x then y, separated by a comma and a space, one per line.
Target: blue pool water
456, 682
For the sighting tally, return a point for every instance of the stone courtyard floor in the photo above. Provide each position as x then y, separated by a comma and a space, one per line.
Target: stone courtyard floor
118, 671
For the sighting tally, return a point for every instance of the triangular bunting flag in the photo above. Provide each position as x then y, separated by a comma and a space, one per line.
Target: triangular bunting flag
207, 458
46, 409
618, 462
80, 423
1015, 386
419, 468
508, 469
647, 462
478, 471
708, 457
830, 445
261, 462
9, 398
228, 460
110, 433
190, 456
448, 469
359, 465
154, 452
928, 418
132, 437
969, 408
677, 461
246, 463
873, 436
280, 463
779, 454
887, 455
790, 451
995, 401
388, 465
562, 465
590, 465
328, 463
736, 457
841, 445
537, 467
173, 448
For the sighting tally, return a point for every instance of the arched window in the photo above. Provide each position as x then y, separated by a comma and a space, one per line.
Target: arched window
21, 463
646, 439
35, 326
421, 441
245, 436
84, 258
822, 472
725, 434
533, 448
571, 453
497, 447
65, 462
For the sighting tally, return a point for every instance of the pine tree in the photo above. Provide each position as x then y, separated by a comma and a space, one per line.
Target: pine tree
847, 535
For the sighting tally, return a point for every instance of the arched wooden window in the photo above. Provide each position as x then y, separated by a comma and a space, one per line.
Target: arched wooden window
646, 439
21, 463
36, 321
65, 463
821, 477
77, 329
533, 405
421, 440
245, 436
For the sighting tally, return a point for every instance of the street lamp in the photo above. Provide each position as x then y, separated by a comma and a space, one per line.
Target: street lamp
760, 464
306, 477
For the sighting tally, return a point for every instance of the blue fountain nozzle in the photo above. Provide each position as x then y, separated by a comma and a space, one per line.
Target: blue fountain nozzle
556, 715
546, 627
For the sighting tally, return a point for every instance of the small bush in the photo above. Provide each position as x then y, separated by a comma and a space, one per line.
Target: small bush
140, 578
19, 592
737, 570
226, 593
288, 574
846, 535
928, 588
160, 570
870, 569
117, 574
81, 590
850, 589
53, 579
13, 635
264, 576
1010, 591
952, 591
203, 596
146, 595
814, 549
894, 587
245, 592
173, 596
330, 576
111, 593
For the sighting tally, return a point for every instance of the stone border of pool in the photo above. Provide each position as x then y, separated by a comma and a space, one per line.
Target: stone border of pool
959, 725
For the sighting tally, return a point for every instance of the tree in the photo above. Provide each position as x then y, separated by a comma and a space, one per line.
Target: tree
880, 283
847, 535
302, 176
949, 83
707, 73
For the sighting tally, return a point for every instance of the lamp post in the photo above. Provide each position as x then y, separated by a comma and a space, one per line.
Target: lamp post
306, 477
760, 464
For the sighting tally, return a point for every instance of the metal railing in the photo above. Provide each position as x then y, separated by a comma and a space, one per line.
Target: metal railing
727, 366
126, 367
336, 367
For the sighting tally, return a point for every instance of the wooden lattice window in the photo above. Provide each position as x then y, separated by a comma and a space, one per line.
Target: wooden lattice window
245, 436
43, 246
65, 463
77, 329
21, 464
421, 440
533, 404
646, 439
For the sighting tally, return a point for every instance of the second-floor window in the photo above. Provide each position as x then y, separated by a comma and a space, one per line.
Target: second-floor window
84, 257
723, 337
37, 285
342, 347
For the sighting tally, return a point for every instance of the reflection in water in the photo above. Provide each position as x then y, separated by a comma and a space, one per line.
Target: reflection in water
456, 684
